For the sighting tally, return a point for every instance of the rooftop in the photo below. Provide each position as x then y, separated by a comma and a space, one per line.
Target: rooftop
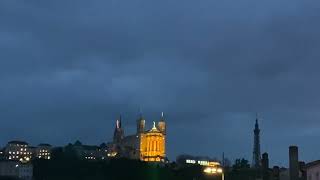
18, 142
44, 144
313, 163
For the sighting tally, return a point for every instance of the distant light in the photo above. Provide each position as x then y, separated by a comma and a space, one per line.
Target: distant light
189, 161
207, 170
211, 170
203, 163
17, 165
214, 170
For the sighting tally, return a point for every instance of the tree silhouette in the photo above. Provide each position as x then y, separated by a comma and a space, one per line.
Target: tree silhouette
241, 164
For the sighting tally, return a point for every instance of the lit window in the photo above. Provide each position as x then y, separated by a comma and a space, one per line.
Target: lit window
14, 153
9, 152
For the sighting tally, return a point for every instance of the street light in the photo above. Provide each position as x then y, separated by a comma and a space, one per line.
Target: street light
214, 171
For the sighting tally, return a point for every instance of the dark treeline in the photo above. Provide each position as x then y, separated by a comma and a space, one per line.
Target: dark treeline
116, 169
65, 166
8, 178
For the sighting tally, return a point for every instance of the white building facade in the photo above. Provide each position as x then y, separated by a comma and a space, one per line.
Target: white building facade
16, 169
313, 170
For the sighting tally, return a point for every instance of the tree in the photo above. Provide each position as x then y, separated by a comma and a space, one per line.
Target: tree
103, 145
241, 164
78, 143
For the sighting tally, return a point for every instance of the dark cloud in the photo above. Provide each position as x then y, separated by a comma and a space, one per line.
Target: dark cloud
68, 69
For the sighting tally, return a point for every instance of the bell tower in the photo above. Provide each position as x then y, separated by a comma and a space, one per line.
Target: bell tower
141, 123
162, 124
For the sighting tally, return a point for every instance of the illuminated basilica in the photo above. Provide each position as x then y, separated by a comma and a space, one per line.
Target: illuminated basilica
146, 145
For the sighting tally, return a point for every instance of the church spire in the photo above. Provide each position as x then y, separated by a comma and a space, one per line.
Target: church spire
120, 123
118, 131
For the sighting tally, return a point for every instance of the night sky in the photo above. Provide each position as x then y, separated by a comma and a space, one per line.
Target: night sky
69, 68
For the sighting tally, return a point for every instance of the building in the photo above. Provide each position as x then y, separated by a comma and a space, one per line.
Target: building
296, 170
145, 145
189, 160
2, 154
152, 145
256, 159
16, 169
293, 163
265, 167
43, 151
284, 174
22, 151
18, 150
86, 152
92, 153
313, 170
265, 161
276, 173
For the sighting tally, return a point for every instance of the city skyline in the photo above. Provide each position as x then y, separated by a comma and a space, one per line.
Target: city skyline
150, 124
68, 70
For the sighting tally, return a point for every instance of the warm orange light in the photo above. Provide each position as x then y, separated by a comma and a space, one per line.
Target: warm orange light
212, 170
152, 146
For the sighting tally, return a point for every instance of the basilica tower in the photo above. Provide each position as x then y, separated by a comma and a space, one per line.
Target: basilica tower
256, 160
141, 123
162, 124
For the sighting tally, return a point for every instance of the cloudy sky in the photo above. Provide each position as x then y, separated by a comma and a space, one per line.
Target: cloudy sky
69, 68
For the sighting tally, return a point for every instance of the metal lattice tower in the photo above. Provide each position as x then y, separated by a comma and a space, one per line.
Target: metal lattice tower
256, 160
